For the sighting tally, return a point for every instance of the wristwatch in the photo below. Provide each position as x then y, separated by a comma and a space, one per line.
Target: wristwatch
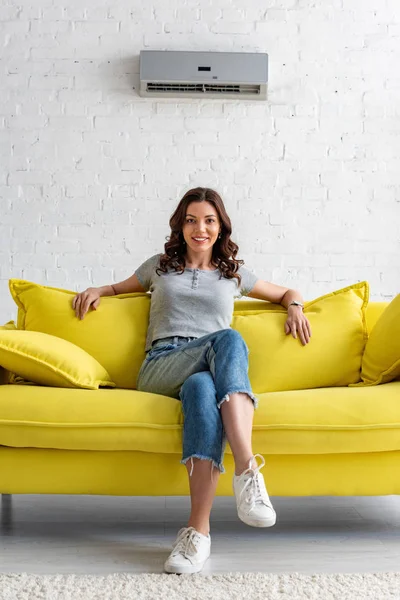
296, 303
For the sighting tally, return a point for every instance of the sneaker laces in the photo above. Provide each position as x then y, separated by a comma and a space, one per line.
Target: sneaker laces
186, 542
254, 490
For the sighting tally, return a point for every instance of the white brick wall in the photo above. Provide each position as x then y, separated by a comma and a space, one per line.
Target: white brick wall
91, 172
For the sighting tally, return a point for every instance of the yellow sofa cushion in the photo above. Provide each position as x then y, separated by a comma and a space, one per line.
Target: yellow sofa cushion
48, 360
320, 421
374, 311
114, 334
381, 360
278, 362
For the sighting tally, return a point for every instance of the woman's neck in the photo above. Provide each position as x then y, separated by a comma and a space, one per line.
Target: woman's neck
204, 265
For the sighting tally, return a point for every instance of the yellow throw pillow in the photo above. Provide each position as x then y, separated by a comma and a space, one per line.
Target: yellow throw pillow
48, 360
381, 360
114, 333
333, 356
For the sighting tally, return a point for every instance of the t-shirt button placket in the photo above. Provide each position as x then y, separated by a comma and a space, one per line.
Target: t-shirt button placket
195, 279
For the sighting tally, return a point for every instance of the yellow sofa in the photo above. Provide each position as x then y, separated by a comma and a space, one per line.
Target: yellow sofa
336, 440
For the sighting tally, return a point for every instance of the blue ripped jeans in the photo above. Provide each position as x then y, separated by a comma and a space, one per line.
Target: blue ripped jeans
201, 372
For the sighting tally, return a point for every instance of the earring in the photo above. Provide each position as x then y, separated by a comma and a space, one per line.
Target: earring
219, 235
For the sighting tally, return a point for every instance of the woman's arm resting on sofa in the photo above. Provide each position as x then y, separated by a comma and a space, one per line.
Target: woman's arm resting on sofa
91, 296
264, 290
296, 322
131, 285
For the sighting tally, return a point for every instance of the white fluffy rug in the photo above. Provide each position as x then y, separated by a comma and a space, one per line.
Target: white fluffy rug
235, 586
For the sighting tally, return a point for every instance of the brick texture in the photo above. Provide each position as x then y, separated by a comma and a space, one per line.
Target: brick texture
91, 172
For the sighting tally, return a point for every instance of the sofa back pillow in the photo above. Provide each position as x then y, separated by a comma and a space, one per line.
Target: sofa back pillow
333, 356
381, 359
114, 334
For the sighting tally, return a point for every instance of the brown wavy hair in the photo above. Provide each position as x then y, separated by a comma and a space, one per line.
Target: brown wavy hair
224, 250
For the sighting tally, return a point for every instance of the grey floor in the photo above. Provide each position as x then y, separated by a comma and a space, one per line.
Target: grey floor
103, 534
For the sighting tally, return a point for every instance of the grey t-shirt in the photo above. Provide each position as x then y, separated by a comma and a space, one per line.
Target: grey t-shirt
191, 304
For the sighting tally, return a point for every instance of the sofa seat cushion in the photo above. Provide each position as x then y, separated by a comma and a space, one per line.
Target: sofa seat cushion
316, 421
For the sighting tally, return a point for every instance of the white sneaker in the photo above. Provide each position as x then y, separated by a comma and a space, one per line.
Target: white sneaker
190, 551
253, 504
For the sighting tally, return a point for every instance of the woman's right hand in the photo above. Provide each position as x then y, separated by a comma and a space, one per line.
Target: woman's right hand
83, 300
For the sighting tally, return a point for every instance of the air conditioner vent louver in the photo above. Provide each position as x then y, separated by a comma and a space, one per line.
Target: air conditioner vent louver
203, 88
174, 74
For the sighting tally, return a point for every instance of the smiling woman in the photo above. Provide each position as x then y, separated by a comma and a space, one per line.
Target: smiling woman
193, 355
201, 236
200, 232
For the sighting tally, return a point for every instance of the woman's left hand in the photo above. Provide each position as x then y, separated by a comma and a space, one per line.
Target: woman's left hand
297, 323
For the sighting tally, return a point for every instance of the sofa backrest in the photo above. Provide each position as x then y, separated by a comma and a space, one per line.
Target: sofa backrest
374, 309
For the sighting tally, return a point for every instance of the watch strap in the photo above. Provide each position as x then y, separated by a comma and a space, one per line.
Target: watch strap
296, 303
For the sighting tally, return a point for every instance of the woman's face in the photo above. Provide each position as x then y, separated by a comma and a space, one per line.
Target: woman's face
201, 221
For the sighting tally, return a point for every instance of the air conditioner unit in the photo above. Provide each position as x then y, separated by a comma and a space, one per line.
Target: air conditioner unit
188, 74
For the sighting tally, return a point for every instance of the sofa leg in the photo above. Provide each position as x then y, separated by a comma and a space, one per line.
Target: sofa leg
6, 512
